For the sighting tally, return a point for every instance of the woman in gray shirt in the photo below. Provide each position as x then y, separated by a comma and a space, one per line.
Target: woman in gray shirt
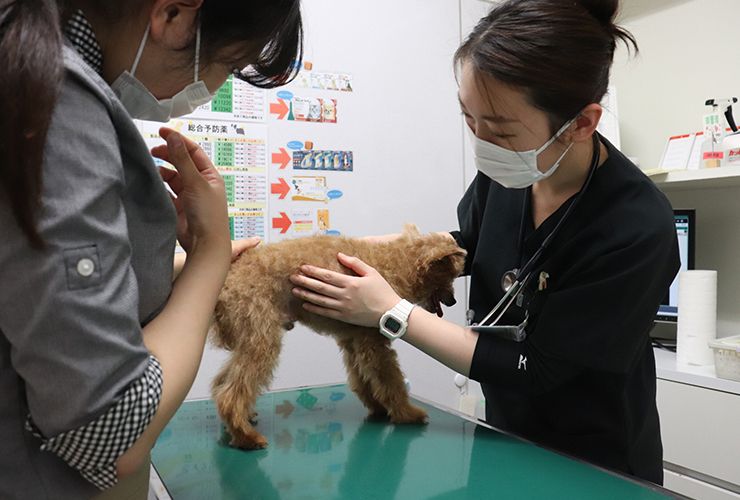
98, 346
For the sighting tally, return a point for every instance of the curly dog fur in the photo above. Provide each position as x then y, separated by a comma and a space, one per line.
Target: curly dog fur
256, 306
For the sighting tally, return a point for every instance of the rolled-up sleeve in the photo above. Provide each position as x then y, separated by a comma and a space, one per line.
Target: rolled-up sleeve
70, 311
94, 448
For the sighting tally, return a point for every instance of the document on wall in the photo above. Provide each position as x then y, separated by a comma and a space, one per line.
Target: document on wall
238, 150
235, 101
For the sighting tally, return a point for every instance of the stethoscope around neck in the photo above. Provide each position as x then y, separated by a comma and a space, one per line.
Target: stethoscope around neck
514, 281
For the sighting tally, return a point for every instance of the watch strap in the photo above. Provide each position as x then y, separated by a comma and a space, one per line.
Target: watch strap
403, 309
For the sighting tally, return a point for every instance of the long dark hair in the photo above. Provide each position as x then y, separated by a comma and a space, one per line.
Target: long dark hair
31, 62
559, 52
31, 72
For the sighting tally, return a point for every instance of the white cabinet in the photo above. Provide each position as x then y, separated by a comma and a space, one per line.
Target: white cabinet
699, 429
694, 488
699, 417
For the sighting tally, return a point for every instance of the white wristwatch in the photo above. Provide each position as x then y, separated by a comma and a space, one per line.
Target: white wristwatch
393, 323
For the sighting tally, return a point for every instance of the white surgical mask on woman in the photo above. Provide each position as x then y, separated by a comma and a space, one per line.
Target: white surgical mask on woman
514, 169
141, 104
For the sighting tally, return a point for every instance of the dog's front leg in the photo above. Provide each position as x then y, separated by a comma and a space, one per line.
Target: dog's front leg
377, 365
357, 383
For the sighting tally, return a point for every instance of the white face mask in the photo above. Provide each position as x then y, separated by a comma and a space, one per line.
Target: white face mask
514, 169
141, 104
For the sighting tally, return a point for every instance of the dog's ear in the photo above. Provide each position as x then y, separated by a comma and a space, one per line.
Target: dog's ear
444, 254
411, 230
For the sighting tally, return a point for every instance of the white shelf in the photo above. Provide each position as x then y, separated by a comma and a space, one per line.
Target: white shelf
667, 368
706, 178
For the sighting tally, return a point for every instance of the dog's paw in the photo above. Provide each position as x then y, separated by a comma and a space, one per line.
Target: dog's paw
409, 415
377, 415
250, 441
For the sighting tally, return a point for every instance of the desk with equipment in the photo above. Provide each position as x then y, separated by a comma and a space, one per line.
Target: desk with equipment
322, 446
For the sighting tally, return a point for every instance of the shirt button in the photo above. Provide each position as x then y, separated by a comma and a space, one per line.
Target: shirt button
85, 267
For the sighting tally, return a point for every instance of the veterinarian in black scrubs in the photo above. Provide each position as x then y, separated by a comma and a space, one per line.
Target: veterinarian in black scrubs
559, 211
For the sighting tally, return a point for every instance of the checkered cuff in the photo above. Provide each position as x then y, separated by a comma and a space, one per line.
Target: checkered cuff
94, 448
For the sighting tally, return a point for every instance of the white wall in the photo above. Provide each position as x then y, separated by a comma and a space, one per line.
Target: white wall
688, 53
471, 11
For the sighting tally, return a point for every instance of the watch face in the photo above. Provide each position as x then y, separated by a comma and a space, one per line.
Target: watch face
392, 325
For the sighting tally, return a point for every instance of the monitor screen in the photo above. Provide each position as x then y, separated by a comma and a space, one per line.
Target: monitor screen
685, 231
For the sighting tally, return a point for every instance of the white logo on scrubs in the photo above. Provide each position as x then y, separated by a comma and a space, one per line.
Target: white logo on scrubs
522, 362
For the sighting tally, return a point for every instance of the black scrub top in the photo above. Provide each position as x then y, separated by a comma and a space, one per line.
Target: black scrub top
583, 381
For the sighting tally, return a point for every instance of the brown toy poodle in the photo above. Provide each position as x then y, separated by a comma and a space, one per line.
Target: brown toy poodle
256, 306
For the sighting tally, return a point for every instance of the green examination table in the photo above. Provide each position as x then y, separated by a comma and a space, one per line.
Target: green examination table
323, 447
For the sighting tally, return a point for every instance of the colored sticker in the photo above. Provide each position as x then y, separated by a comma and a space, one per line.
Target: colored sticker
336, 396
307, 400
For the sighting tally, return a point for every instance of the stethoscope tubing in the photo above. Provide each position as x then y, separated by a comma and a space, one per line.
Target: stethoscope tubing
513, 292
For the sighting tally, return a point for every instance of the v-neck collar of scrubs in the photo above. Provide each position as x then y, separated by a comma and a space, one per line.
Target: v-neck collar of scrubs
531, 237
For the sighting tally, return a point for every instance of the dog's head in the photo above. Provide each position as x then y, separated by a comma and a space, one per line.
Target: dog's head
436, 261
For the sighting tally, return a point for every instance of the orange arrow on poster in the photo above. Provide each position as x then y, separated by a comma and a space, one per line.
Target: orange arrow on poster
281, 187
279, 108
283, 223
282, 158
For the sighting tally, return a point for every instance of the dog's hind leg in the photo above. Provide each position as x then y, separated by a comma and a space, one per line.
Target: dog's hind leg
243, 378
358, 385
378, 367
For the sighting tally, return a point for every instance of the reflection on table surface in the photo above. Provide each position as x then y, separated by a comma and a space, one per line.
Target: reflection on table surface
323, 447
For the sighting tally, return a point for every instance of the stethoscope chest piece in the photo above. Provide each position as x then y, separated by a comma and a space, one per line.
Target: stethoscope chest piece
508, 279
514, 282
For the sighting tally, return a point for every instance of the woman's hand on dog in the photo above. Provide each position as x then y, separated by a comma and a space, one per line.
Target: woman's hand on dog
238, 247
359, 300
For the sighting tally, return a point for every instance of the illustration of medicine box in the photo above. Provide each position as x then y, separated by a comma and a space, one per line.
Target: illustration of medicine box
322, 218
340, 161
309, 189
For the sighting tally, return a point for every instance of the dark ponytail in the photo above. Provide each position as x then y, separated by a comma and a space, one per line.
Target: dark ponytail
559, 52
30, 77
605, 11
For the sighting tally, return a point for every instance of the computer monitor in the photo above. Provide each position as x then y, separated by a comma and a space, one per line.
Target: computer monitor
685, 221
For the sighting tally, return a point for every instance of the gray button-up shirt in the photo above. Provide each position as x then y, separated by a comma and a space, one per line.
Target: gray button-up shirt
71, 315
